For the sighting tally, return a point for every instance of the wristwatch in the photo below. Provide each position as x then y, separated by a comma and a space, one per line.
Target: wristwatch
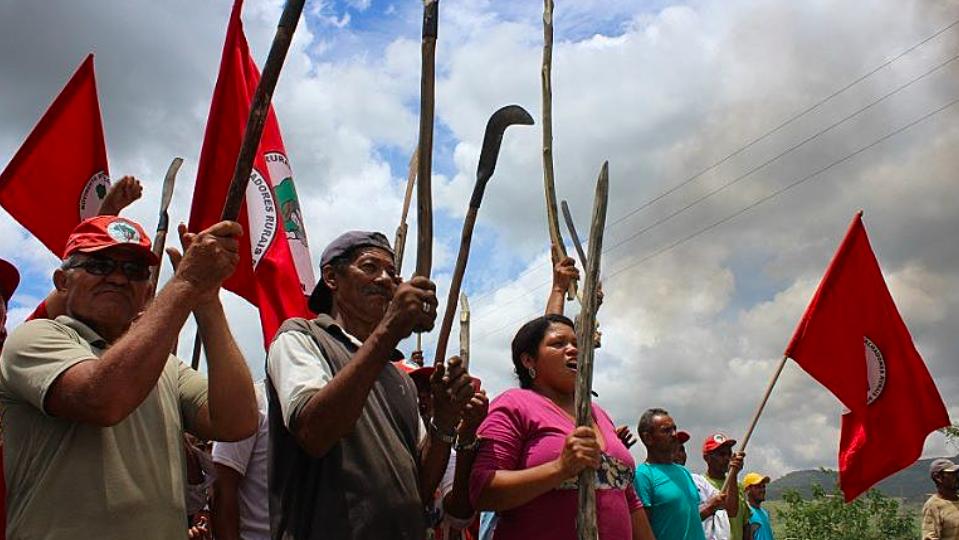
447, 437
466, 446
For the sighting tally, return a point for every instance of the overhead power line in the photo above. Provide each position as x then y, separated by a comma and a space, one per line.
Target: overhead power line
748, 173
750, 206
479, 299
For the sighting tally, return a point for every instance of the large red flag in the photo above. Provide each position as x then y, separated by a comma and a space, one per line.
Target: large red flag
275, 272
853, 341
59, 176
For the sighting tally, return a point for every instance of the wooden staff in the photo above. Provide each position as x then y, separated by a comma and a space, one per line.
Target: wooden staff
399, 241
260, 107
424, 174
465, 331
586, 521
546, 78
163, 223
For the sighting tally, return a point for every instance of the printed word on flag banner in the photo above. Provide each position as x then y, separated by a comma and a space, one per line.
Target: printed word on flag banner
854, 342
275, 272
59, 176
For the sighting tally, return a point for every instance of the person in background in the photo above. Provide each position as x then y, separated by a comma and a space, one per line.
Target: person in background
532, 451
759, 527
940, 513
240, 495
732, 513
669, 496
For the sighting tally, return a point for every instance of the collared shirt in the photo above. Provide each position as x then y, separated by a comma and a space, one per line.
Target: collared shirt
69, 480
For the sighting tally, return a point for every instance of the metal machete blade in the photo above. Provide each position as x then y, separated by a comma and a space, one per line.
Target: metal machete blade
501, 119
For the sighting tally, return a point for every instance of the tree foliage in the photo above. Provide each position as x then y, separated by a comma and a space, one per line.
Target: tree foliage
952, 435
872, 516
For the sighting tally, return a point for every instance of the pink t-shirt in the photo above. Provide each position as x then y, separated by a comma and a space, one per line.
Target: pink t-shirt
525, 429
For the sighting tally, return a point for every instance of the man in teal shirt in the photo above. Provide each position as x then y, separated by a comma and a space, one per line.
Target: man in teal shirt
666, 489
754, 484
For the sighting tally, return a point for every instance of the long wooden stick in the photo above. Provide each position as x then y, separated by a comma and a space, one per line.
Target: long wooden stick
260, 107
424, 173
399, 242
465, 330
586, 521
727, 485
163, 222
549, 185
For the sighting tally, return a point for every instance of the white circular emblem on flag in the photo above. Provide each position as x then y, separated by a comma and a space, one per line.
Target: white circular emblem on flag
261, 212
875, 370
92, 195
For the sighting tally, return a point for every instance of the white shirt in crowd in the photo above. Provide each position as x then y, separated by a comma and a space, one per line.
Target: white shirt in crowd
715, 526
249, 458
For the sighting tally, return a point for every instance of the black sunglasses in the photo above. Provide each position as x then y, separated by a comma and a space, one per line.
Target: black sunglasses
103, 266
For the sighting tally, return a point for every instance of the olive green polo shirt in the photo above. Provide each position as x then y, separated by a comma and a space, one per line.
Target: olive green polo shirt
71, 480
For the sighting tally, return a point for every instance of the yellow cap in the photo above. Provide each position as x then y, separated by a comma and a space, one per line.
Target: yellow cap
753, 479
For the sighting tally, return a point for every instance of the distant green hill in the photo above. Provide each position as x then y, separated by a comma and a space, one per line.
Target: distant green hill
911, 484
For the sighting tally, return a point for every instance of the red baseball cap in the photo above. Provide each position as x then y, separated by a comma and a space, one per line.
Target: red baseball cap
104, 232
716, 440
682, 436
9, 279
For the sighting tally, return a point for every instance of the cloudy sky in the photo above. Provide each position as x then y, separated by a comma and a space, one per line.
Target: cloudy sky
721, 105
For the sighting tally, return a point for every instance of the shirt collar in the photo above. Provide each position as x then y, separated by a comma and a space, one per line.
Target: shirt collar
86, 333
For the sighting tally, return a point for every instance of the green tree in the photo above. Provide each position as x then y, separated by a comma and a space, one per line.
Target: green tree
952, 435
825, 516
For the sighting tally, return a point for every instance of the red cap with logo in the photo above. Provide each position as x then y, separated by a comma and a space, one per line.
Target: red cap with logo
104, 232
716, 440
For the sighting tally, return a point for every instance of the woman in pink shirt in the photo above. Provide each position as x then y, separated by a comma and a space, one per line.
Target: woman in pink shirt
532, 450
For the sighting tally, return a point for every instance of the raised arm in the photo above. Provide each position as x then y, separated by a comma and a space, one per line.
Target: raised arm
106, 391
564, 272
331, 412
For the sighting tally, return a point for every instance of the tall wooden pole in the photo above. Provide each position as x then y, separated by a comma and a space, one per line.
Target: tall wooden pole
728, 484
424, 172
586, 521
549, 186
399, 241
260, 106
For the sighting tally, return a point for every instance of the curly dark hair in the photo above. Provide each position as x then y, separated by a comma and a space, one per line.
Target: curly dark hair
527, 341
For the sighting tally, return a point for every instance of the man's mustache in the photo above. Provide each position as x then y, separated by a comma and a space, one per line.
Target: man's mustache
378, 291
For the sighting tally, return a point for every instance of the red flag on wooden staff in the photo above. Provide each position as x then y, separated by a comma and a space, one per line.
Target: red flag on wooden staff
275, 271
853, 341
61, 167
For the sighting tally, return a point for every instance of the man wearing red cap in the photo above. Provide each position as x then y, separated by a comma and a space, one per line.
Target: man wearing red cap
95, 406
720, 461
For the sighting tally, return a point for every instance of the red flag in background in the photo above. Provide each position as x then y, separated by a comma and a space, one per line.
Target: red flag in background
275, 272
853, 341
59, 176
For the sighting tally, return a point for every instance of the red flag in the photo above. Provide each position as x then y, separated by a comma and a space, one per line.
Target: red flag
853, 341
275, 272
59, 176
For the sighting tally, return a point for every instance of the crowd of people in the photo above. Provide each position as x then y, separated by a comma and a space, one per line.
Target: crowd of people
106, 434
